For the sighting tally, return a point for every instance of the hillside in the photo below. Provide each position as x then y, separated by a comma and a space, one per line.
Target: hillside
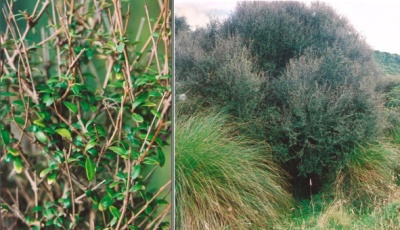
390, 63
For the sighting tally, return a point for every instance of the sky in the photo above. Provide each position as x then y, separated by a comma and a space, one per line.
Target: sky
377, 21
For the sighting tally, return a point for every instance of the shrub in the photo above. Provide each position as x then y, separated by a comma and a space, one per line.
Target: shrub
319, 99
81, 118
323, 111
224, 180
221, 73
279, 31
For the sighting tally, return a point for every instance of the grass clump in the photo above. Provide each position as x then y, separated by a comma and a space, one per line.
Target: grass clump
368, 176
224, 181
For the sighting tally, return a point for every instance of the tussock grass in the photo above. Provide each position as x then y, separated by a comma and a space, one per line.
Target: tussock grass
224, 181
369, 175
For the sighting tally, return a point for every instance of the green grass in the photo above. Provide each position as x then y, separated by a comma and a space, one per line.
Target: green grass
224, 181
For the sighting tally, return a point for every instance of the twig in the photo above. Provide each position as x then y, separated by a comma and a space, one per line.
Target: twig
126, 198
160, 218
79, 198
66, 156
145, 205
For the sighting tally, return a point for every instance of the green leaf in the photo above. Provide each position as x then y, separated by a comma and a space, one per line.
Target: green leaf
136, 171
112, 222
89, 169
75, 89
39, 122
51, 178
85, 106
114, 211
113, 184
93, 152
37, 208
7, 94
18, 165
151, 160
49, 101
156, 113
138, 118
5, 136
149, 104
44, 172
9, 157
64, 133
41, 137
18, 102
155, 34
106, 202
137, 102
120, 47
72, 107
117, 67
137, 187
19, 120
131, 137
13, 151
118, 150
161, 157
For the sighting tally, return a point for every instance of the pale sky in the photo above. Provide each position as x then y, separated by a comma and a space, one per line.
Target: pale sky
377, 21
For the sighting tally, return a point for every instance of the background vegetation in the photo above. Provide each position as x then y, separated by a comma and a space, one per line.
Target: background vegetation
300, 79
84, 115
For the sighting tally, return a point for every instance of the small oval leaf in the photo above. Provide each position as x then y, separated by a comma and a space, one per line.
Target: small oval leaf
13, 151
18, 165
138, 118
118, 150
90, 145
51, 178
44, 172
136, 171
72, 107
114, 211
120, 48
41, 137
64, 133
39, 122
89, 169
5, 136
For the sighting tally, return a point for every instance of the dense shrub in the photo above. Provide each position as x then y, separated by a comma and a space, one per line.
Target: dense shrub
221, 72
81, 118
279, 31
314, 97
322, 112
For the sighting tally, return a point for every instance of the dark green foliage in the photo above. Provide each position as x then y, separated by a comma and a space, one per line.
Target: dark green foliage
323, 111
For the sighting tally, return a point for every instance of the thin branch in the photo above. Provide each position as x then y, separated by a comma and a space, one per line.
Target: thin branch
146, 205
